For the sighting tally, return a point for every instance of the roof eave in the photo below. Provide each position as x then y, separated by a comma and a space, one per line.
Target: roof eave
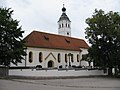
53, 48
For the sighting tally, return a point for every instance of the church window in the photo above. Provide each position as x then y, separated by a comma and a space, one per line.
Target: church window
78, 57
59, 58
62, 24
67, 33
59, 26
72, 57
66, 24
30, 57
66, 58
40, 57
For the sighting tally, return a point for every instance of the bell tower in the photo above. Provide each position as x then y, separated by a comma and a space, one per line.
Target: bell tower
64, 24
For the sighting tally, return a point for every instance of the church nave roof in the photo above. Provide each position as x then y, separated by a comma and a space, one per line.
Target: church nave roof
53, 41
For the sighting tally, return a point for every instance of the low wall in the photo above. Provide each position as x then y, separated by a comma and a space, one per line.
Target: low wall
54, 72
3, 71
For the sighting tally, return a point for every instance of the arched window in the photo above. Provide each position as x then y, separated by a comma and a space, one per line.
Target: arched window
40, 57
66, 24
30, 57
59, 26
78, 57
62, 24
66, 58
72, 57
59, 57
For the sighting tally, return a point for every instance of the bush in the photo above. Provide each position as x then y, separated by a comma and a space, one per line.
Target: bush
38, 66
60, 66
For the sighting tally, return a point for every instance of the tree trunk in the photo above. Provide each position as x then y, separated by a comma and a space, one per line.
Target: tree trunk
110, 71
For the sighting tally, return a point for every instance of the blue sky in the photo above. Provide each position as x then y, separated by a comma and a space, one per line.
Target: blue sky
42, 15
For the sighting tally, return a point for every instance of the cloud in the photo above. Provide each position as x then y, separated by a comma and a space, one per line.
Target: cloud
44, 14
3, 3
80, 10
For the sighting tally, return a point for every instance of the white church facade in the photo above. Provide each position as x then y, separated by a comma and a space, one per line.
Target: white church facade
54, 51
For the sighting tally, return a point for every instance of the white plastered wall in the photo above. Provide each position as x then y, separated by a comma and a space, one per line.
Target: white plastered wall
51, 54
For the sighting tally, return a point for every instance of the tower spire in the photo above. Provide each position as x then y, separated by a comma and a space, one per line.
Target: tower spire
63, 4
64, 23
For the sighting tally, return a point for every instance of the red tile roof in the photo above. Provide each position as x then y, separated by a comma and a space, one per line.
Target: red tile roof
53, 41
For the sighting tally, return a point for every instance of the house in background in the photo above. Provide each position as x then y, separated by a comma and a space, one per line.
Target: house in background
52, 50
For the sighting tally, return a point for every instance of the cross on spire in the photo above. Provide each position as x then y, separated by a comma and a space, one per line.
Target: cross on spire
63, 9
63, 5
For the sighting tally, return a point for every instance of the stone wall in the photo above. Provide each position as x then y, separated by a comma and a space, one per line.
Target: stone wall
54, 72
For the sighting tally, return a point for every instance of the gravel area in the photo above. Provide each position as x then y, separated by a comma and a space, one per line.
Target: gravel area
93, 83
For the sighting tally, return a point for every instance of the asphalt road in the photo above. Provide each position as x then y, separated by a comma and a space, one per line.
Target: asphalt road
61, 84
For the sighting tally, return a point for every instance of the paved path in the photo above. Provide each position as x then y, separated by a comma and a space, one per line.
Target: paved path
61, 84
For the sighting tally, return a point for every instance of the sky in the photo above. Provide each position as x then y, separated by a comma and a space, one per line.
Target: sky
42, 15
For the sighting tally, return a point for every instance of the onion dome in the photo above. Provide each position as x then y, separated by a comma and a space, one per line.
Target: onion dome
64, 16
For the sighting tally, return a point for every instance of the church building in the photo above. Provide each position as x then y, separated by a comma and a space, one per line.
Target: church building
55, 50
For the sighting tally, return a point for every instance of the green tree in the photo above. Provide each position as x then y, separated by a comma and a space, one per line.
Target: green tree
103, 33
11, 43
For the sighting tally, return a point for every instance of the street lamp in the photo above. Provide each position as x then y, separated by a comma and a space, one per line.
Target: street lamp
69, 54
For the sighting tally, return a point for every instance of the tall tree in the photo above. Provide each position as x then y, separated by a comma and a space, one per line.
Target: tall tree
103, 33
11, 43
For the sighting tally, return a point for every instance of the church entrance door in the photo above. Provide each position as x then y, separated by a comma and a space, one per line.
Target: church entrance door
50, 64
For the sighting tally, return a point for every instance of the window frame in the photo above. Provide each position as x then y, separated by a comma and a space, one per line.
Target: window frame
30, 57
40, 57
66, 58
78, 57
59, 58
72, 58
